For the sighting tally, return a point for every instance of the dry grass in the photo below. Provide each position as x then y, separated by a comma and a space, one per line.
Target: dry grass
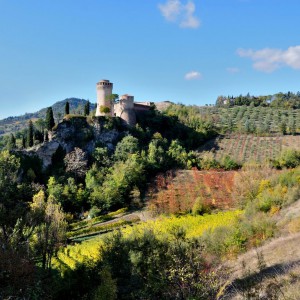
271, 271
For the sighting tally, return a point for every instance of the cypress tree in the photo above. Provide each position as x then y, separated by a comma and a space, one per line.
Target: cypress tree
11, 142
87, 108
67, 108
30, 134
23, 142
49, 119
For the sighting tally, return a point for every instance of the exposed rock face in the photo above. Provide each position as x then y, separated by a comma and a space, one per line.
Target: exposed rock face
46, 151
76, 132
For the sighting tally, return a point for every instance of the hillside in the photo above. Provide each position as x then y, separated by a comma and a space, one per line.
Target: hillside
17, 123
273, 269
143, 200
241, 119
243, 147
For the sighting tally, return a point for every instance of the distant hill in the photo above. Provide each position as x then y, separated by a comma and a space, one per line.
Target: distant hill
14, 124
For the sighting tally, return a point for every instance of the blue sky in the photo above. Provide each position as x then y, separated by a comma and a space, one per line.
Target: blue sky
178, 50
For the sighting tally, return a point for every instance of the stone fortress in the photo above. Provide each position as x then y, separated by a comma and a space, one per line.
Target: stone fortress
125, 107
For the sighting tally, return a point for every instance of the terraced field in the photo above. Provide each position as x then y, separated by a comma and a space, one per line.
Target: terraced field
87, 229
243, 147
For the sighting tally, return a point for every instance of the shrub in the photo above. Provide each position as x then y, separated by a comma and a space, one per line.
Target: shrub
229, 164
199, 208
224, 241
288, 159
207, 161
104, 109
94, 212
256, 228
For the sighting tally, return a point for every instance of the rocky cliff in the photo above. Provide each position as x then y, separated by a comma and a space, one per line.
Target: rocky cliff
80, 132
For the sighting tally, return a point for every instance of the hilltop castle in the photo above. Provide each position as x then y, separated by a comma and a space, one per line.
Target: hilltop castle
125, 107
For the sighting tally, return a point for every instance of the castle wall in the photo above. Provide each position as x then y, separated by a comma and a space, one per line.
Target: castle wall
125, 109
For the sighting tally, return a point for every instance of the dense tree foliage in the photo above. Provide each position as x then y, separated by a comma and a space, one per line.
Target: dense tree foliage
283, 100
30, 134
87, 108
67, 108
49, 119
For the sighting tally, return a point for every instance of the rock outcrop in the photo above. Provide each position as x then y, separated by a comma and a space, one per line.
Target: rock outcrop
80, 132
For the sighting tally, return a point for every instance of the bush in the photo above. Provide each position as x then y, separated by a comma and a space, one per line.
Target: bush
94, 212
224, 241
104, 109
256, 228
199, 208
229, 164
207, 161
288, 159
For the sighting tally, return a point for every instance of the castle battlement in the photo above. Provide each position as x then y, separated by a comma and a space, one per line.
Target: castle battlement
104, 82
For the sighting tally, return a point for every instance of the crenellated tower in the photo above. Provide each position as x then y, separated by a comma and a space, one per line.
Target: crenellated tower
105, 106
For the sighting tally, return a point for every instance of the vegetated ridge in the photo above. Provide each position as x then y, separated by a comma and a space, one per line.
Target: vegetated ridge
17, 123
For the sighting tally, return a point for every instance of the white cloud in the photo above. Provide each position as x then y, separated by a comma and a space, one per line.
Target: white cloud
183, 14
268, 59
233, 70
193, 75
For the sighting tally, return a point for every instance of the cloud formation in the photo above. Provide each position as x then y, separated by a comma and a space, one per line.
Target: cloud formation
269, 60
193, 75
183, 14
233, 70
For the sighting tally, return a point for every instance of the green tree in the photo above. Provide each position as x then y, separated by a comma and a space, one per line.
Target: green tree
126, 147
178, 153
67, 108
118, 184
49, 119
30, 134
11, 207
283, 127
23, 142
51, 231
40, 125
157, 156
87, 108
11, 142
102, 157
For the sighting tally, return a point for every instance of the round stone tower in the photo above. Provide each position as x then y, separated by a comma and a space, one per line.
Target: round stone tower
125, 109
104, 101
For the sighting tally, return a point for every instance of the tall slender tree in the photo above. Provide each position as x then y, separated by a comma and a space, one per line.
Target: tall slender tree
67, 108
49, 119
87, 108
30, 134
23, 142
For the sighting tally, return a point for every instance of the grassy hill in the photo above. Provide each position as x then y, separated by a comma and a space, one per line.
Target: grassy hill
14, 124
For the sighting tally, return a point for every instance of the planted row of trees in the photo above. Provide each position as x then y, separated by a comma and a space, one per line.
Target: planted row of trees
280, 100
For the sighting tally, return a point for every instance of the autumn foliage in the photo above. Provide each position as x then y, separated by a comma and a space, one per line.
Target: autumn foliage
179, 192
